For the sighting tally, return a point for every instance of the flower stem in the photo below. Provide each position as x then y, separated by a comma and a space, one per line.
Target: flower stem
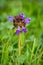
20, 45
19, 48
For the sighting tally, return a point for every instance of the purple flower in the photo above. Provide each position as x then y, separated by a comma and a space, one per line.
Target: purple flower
18, 30
27, 20
24, 29
10, 18
20, 22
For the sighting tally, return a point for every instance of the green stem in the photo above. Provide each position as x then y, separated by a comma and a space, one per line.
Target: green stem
19, 46
19, 49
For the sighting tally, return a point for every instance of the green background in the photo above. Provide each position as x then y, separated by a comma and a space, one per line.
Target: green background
32, 53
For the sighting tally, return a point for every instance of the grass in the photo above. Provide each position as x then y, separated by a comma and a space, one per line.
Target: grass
32, 41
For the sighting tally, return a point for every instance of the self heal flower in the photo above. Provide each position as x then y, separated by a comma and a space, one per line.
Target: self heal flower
19, 22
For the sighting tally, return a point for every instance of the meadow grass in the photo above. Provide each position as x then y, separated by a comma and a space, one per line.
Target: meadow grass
32, 41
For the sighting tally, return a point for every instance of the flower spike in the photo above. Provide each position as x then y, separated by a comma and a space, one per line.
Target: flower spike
19, 22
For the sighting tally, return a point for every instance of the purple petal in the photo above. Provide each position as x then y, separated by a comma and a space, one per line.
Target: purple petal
10, 18
27, 20
18, 31
22, 15
24, 29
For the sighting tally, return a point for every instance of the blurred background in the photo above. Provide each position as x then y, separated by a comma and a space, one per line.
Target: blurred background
32, 9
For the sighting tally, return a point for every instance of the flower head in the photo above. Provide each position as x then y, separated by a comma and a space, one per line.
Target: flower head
20, 22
